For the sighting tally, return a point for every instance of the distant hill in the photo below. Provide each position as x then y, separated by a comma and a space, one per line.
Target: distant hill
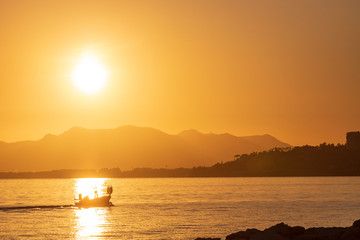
126, 148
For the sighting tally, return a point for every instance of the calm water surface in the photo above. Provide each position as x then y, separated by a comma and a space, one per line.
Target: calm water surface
175, 208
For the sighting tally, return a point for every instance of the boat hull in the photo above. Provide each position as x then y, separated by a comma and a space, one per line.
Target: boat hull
96, 202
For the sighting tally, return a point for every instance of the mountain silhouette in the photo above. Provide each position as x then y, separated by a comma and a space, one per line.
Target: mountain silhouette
128, 147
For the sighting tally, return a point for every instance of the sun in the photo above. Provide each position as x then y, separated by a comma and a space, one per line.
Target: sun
89, 75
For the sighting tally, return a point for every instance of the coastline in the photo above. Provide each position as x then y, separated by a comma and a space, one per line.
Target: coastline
151, 173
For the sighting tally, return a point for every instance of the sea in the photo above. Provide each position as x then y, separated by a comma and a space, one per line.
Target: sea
173, 208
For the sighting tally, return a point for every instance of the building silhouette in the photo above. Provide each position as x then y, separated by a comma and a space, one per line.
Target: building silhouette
353, 140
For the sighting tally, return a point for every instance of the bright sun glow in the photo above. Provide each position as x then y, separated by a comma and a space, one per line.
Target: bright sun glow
89, 75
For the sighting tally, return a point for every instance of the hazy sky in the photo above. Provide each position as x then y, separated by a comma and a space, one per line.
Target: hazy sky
287, 68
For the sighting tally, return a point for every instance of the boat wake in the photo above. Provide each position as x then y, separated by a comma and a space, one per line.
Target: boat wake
34, 207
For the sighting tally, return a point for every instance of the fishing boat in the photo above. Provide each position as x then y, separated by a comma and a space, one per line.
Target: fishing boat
103, 201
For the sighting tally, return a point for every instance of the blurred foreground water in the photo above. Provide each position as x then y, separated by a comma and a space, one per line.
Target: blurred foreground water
174, 208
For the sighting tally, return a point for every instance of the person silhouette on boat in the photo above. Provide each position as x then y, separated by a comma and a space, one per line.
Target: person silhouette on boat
109, 190
96, 194
80, 196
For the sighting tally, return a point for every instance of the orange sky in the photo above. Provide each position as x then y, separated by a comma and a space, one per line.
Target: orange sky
287, 68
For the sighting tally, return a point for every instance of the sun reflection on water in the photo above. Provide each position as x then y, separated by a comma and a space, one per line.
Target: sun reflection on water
88, 186
91, 222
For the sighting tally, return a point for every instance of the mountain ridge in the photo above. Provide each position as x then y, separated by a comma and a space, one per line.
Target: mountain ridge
128, 147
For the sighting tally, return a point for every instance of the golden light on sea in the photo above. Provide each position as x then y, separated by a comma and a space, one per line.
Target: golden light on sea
90, 222
88, 186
